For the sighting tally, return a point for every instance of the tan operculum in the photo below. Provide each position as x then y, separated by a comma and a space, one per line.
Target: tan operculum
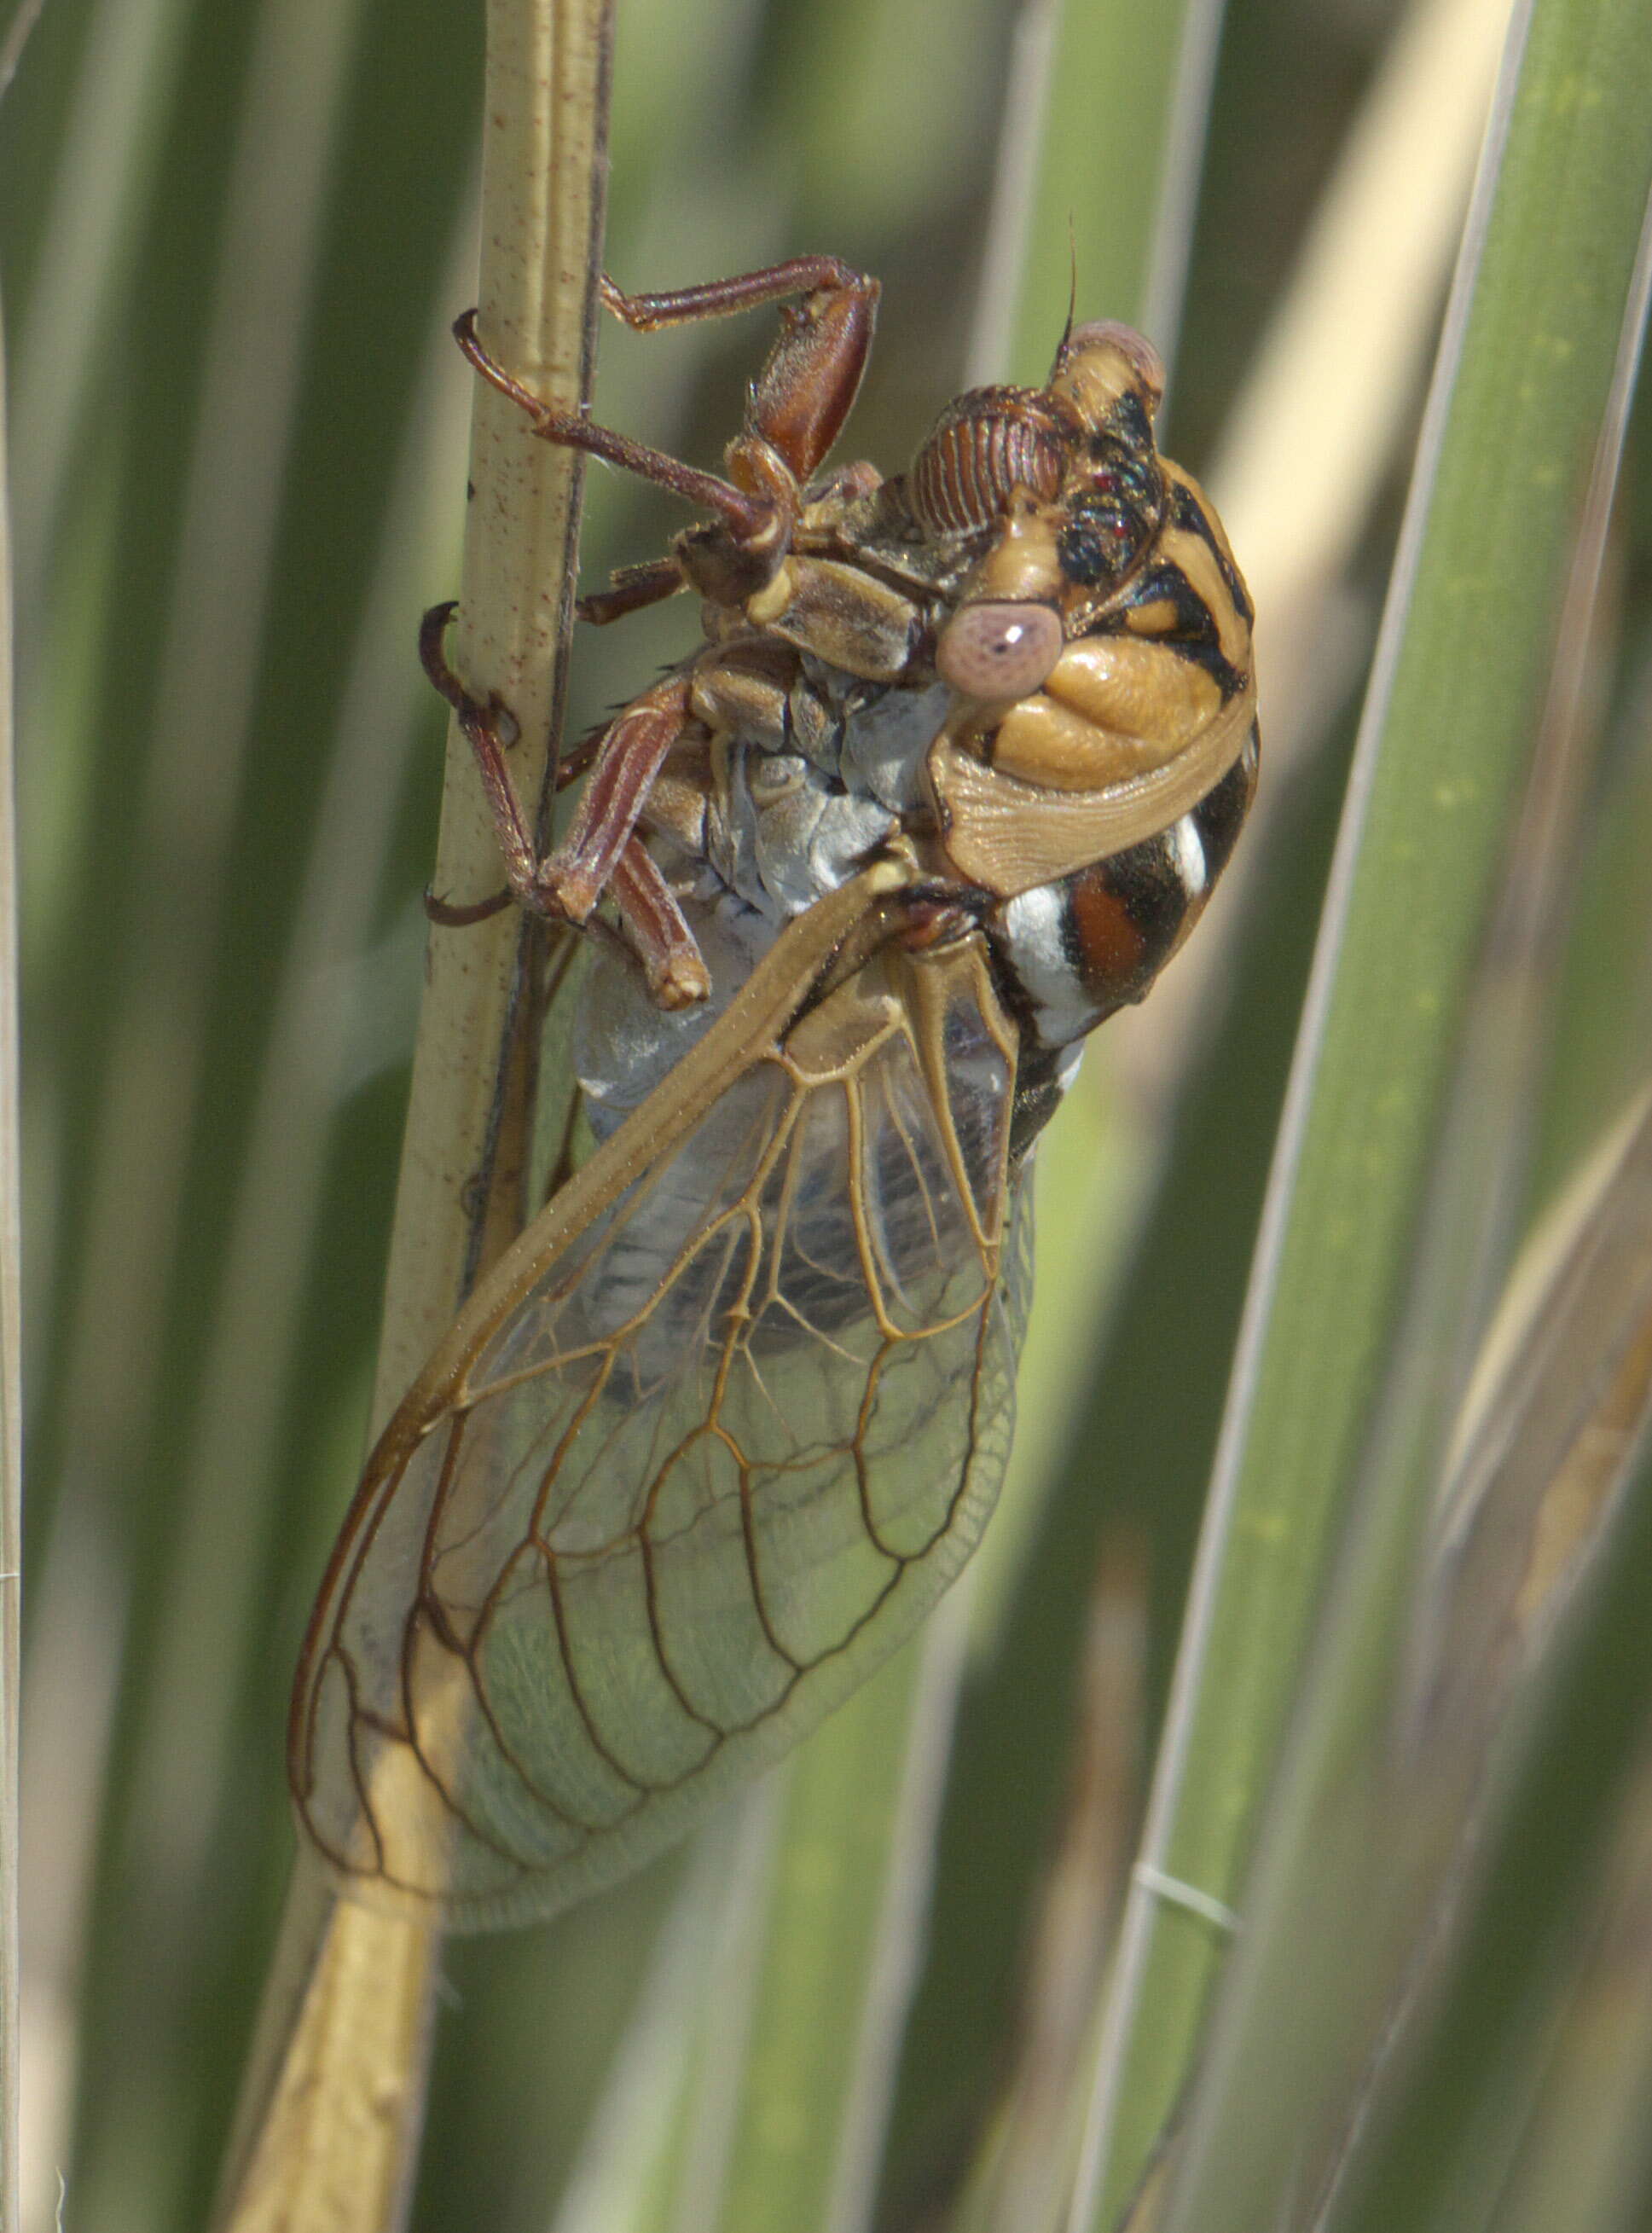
1113, 707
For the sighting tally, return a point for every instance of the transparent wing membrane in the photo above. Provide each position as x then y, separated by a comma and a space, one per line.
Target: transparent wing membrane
724, 1448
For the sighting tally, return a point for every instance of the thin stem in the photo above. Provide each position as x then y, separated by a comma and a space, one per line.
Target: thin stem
11, 1391
334, 2101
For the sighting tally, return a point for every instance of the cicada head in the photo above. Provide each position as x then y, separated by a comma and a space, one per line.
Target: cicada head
1098, 644
1062, 488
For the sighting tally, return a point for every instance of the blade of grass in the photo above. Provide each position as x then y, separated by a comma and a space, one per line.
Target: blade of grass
122, 106
1022, 2171
1424, 1653
1404, 208
227, 1470
1310, 439
1312, 433
208, 619
207, 680
334, 2097
686, 2034
1583, 2157
1604, 1021
1516, 401
23, 18
1015, 182
1440, 2154
839, 1945
10, 1377
1123, 125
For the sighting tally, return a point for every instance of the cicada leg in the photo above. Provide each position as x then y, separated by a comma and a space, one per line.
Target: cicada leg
795, 412
806, 389
600, 852
747, 517
632, 589
672, 962
489, 728
622, 771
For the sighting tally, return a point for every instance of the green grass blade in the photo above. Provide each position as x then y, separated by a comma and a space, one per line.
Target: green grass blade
1441, 2158
1122, 127
1581, 2159
637, 2169
1460, 680
1605, 1001
1442, 1606
840, 1936
10, 1377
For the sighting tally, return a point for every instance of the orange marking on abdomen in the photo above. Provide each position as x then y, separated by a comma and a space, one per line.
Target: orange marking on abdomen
1111, 946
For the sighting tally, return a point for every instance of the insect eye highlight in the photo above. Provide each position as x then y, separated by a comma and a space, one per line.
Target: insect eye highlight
998, 651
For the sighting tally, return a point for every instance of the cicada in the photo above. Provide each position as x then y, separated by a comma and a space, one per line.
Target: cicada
948, 779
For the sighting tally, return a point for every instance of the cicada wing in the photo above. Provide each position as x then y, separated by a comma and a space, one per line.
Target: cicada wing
731, 1440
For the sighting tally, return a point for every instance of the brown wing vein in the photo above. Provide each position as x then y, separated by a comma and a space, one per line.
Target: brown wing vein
853, 1243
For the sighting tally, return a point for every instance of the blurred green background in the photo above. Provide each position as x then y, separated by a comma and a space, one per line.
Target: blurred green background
232, 233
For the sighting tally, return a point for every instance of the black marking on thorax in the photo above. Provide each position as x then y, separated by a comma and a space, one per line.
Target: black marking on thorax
1188, 513
1195, 635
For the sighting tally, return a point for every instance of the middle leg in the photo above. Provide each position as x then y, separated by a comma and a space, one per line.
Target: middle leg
601, 851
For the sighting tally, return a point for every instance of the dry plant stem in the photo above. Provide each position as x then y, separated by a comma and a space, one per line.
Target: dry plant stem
332, 2106
10, 1389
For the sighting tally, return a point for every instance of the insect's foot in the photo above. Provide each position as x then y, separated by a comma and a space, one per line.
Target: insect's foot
681, 981
432, 654
490, 716
543, 416
566, 891
457, 915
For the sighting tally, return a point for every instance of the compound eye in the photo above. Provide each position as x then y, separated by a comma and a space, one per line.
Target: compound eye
998, 651
1135, 348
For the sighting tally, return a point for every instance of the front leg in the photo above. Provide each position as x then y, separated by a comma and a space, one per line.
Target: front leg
795, 413
747, 519
806, 389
